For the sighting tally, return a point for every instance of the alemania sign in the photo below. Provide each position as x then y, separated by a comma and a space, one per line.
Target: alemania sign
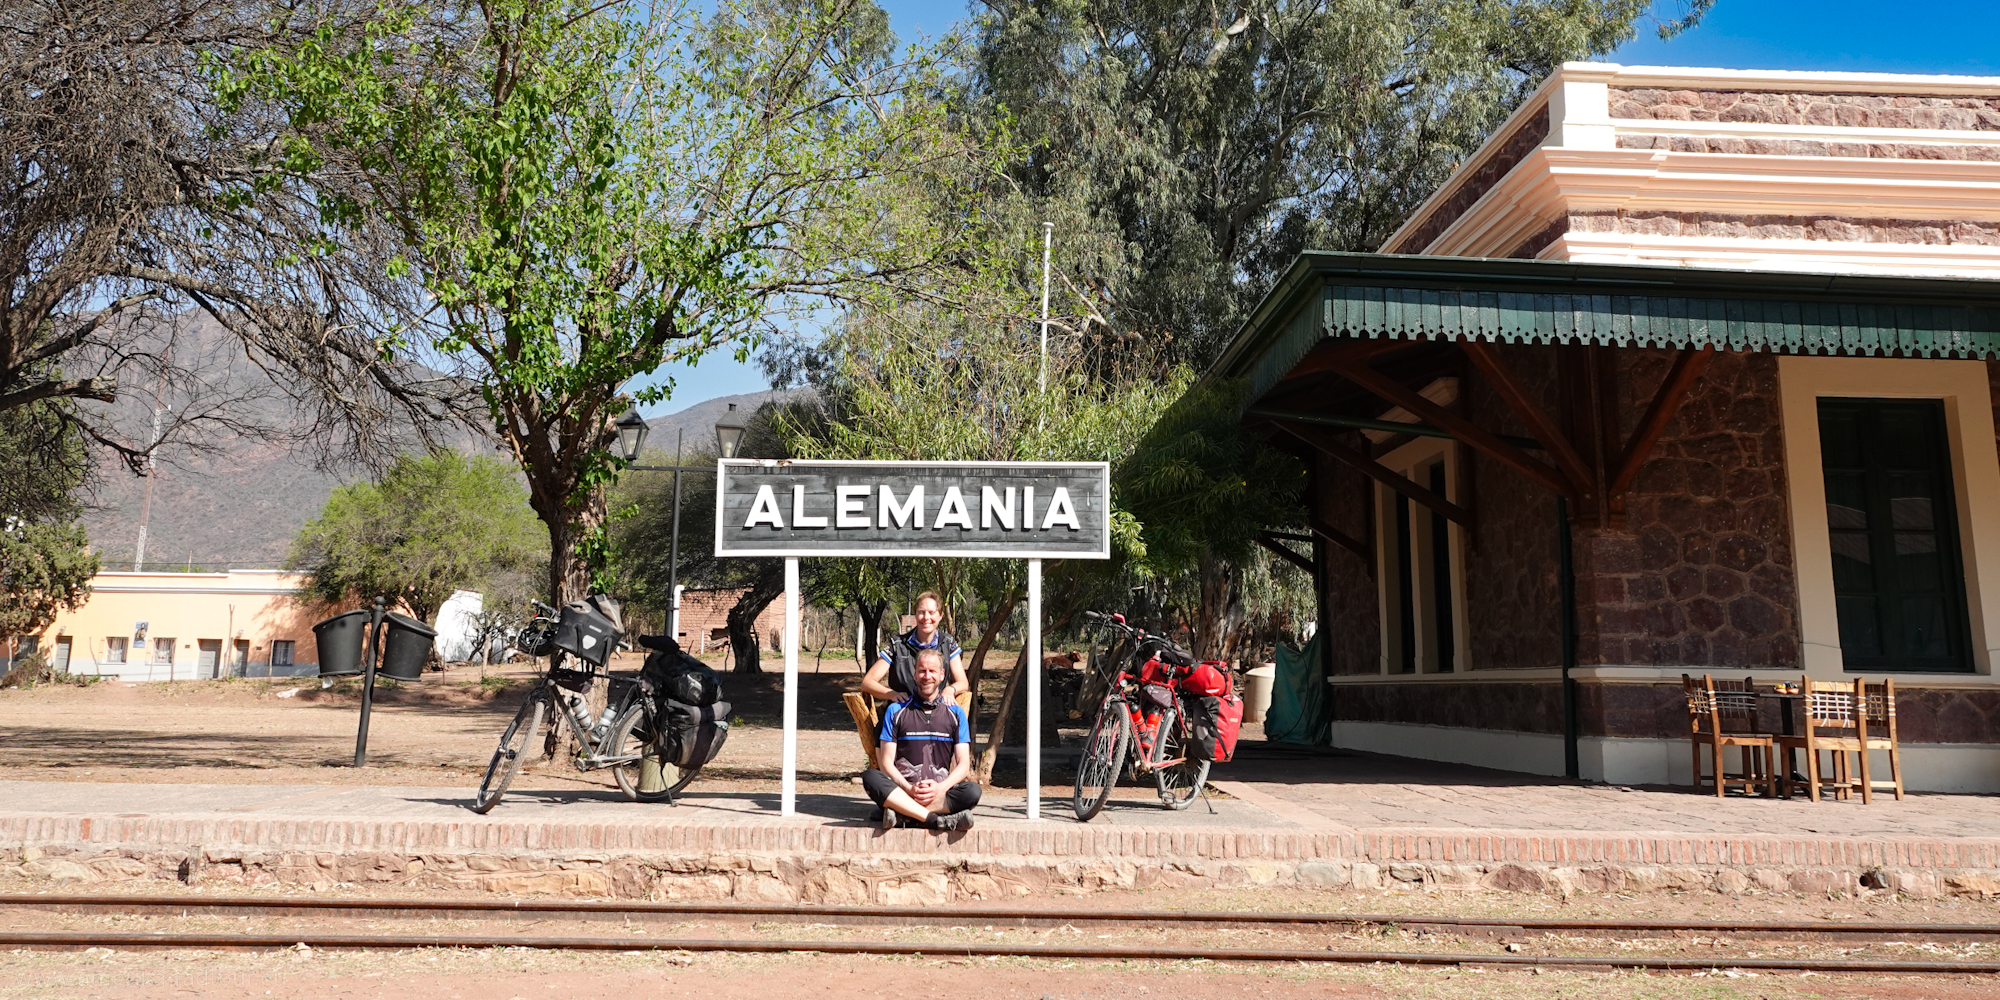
1013, 510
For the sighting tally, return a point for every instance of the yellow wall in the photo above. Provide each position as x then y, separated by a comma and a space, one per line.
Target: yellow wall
256, 606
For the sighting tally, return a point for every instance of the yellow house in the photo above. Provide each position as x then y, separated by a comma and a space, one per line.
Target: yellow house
183, 626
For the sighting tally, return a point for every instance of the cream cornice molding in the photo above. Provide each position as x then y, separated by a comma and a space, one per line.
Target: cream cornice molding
1590, 79
1809, 81
1812, 256
1551, 182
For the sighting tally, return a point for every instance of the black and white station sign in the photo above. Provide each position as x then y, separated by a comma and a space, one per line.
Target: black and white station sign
1018, 510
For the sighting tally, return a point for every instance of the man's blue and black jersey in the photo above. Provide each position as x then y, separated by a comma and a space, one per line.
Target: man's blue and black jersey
925, 736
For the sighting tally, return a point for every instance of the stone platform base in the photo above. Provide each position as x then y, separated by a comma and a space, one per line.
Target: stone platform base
424, 840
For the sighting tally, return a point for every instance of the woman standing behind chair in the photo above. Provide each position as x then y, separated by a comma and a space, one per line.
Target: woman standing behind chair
893, 676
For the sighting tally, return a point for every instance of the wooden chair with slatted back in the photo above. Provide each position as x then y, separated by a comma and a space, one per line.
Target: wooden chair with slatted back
1835, 722
1878, 703
1721, 715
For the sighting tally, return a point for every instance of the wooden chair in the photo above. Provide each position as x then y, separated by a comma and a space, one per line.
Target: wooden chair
1878, 703
1724, 714
1837, 716
867, 715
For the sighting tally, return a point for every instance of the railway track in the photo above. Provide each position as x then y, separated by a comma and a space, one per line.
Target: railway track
244, 907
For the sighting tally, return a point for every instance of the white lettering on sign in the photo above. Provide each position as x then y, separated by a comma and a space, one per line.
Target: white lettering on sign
907, 514
764, 509
952, 511
847, 506
799, 517
1060, 512
990, 505
1027, 508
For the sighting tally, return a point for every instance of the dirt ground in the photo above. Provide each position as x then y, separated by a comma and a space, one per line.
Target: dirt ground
439, 731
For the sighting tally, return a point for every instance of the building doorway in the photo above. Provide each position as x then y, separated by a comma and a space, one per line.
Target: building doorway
208, 664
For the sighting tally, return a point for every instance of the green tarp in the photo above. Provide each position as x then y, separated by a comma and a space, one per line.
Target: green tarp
1298, 712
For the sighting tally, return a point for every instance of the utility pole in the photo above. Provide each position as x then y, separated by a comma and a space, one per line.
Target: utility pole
1048, 239
146, 506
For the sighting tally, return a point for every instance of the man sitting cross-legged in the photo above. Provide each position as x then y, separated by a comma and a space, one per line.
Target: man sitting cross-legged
923, 757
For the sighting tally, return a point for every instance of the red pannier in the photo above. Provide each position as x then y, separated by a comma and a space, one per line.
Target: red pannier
1214, 711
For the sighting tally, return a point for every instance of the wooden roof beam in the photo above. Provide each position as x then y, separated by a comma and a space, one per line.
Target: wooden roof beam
1673, 392
1330, 446
1464, 430
1516, 396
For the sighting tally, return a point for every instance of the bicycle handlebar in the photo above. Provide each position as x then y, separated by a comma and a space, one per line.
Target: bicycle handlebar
545, 608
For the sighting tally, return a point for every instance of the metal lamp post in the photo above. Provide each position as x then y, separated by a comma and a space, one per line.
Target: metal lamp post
632, 432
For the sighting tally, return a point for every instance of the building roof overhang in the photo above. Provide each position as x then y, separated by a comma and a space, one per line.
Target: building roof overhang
1327, 295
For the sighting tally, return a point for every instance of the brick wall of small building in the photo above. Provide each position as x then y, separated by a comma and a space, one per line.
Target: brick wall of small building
705, 618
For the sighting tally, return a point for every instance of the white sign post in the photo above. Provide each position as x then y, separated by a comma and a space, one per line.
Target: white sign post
967, 510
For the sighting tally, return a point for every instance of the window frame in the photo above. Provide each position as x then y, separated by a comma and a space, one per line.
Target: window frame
117, 649
291, 648
1965, 389
1413, 461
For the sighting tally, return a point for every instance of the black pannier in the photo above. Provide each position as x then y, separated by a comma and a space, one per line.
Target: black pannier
671, 673
691, 735
585, 634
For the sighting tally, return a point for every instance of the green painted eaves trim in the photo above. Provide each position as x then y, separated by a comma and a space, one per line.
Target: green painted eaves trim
1537, 302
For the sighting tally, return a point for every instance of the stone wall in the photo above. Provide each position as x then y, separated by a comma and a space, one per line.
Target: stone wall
1522, 141
1512, 594
1340, 497
1527, 707
1835, 229
1973, 114
1702, 573
1811, 147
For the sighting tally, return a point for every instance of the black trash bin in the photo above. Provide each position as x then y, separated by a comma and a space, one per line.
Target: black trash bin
340, 639
406, 648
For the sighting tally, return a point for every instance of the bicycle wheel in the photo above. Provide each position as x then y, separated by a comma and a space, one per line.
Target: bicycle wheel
1178, 782
633, 733
512, 751
1103, 758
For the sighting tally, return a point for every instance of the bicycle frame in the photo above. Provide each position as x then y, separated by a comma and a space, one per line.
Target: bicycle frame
1143, 719
591, 758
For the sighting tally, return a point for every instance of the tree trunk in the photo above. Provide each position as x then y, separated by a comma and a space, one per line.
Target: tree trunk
975, 671
871, 613
991, 755
1221, 609
743, 639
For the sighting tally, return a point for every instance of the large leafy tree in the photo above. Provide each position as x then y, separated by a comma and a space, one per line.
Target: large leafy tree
432, 524
584, 191
1189, 151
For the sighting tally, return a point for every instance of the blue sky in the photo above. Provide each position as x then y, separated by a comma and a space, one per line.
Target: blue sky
1915, 36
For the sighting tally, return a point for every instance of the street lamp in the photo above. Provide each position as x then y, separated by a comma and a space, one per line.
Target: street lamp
631, 436
631, 433
728, 434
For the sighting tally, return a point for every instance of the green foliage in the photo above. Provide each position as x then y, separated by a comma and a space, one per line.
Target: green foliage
586, 191
42, 449
44, 568
432, 524
1202, 488
1187, 151
45, 558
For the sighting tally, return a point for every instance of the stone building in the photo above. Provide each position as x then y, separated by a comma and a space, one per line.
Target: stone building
1684, 371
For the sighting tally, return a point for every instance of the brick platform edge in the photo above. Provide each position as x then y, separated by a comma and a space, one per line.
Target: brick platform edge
815, 862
